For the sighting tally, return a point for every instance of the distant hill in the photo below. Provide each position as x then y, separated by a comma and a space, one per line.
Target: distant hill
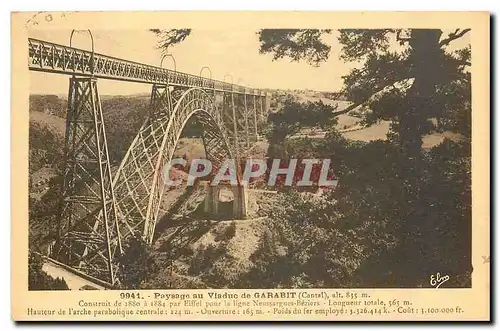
48, 104
54, 123
132, 96
352, 120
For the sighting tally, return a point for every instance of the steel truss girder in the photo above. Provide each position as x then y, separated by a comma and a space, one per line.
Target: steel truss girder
50, 57
88, 217
228, 116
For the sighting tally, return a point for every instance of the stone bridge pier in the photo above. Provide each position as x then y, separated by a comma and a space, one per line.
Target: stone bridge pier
213, 199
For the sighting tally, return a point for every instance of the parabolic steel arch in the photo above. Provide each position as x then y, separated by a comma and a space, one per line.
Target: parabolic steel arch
138, 183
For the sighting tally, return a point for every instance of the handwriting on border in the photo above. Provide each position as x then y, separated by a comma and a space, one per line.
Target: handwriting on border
48, 17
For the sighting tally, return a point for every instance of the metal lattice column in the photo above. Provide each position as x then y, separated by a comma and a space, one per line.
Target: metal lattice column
241, 120
262, 111
229, 119
88, 218
255, 118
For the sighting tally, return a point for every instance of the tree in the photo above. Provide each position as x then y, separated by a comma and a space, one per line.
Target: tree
412, 78
50, 104
169, 38
134, 263
46, 147
409, 85
293, 116
39, 280
296, 44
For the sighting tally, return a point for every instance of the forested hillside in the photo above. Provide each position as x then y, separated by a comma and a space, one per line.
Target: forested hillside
123, 117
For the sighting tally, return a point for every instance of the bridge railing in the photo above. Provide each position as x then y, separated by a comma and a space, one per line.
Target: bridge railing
50, 57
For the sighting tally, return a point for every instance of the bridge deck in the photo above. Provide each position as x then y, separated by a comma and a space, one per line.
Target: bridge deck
54, 58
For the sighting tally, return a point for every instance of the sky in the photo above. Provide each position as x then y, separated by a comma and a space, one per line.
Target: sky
226, 52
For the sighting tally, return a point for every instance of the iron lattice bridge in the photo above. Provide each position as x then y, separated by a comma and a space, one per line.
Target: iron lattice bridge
100, 209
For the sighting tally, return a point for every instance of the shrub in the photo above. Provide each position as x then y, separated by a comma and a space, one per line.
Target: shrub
134, 263
204, 257
227, 233
39, 280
